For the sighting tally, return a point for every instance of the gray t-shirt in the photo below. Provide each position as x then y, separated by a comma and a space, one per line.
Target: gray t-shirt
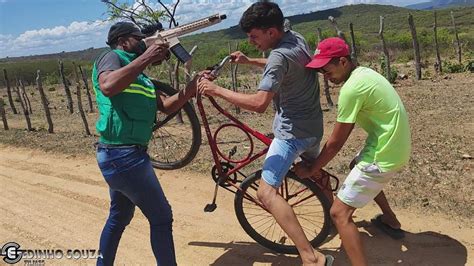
108, 62
296, 101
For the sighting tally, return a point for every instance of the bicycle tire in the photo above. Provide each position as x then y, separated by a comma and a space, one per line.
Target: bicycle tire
251, 218
173, 144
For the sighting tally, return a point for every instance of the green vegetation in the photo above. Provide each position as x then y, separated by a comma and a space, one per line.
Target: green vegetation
26, 70
213, 46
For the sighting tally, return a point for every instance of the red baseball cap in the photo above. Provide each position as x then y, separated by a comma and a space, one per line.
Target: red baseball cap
328, 49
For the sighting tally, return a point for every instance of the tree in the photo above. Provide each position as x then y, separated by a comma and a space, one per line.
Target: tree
142, 14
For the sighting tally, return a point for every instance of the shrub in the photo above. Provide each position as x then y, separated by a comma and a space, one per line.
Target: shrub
469, 66
452, 67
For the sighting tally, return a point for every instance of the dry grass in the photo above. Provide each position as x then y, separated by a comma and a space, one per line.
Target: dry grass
438, 178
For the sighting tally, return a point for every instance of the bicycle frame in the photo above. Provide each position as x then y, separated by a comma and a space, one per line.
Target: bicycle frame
213, 144
217, 156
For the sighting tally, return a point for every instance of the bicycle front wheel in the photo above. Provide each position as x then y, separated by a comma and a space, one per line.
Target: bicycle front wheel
307, 200
176, 138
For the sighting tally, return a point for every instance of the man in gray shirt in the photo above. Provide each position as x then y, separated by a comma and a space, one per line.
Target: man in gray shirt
298, 122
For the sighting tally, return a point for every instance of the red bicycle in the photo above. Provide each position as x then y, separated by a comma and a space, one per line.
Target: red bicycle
305, 196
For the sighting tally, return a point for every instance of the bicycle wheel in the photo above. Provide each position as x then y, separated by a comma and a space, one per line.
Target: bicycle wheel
307, 200
175, 142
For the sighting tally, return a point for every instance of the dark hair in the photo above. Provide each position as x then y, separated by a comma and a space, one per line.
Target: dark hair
262, 15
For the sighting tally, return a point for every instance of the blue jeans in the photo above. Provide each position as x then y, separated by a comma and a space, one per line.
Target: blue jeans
132, 182
282, 153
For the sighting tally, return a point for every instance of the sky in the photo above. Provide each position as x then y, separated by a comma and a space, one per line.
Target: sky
34, 27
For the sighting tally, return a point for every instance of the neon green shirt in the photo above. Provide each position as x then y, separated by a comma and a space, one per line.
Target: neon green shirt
369, 100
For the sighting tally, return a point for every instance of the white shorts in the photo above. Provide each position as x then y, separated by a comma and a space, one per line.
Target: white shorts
363, 185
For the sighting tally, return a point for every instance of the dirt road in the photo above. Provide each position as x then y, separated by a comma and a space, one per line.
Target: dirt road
58, 202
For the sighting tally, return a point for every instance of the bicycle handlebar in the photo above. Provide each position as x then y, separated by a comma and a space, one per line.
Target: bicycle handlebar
217, 68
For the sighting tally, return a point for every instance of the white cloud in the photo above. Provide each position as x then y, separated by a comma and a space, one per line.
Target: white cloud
75, 36
82, 35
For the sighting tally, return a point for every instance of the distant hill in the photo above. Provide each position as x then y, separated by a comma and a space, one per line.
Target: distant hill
213, 46
364, 17
81, 55
437, 4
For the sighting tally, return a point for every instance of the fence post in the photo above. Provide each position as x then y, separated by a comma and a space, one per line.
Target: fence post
287, 25
188, 66
79, 101
188, 69
438, 66
45, 101
233, 71
26, 98
353, 45
19, 92
416, 47
9, 92
385, 50
458, 43
89, 98
179, 116
66, 87
3, 114
339, 33
325, 80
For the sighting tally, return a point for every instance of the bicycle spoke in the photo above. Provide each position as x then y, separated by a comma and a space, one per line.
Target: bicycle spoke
262, 226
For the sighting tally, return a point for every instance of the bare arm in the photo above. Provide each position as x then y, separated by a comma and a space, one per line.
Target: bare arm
169, 105
257, 102
114, 82
336, 141
240, 58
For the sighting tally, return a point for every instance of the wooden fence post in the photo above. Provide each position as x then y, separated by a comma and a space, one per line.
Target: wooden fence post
438, 66
325, 80
3, 114
79, 101
179, 116
26, 98
89, 98
458, 43
233, 71
385, 50
416, 47
9, 92
45, 101
353, 45
66, 87
287, 25
188, 66
19, 92
339, 33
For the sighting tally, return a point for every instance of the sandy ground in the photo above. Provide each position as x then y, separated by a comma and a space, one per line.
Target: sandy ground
51, 201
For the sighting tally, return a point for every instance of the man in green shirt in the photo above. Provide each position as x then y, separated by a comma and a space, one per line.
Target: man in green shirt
128, 100
368, 100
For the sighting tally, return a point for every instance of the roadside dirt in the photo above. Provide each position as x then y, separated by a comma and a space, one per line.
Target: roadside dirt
61, 202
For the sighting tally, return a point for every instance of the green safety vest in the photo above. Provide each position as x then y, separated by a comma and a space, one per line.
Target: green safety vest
128, 117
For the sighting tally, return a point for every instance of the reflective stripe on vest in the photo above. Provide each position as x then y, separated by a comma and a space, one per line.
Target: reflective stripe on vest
139, 89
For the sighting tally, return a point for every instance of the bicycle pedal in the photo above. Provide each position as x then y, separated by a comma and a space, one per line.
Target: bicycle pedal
210, 207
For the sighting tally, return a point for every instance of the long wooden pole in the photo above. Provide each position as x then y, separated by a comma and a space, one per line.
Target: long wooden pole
385, 50
416, 47
44, 101
9, 92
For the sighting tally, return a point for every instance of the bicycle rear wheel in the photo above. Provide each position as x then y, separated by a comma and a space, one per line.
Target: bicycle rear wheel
175, 142
307, 200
